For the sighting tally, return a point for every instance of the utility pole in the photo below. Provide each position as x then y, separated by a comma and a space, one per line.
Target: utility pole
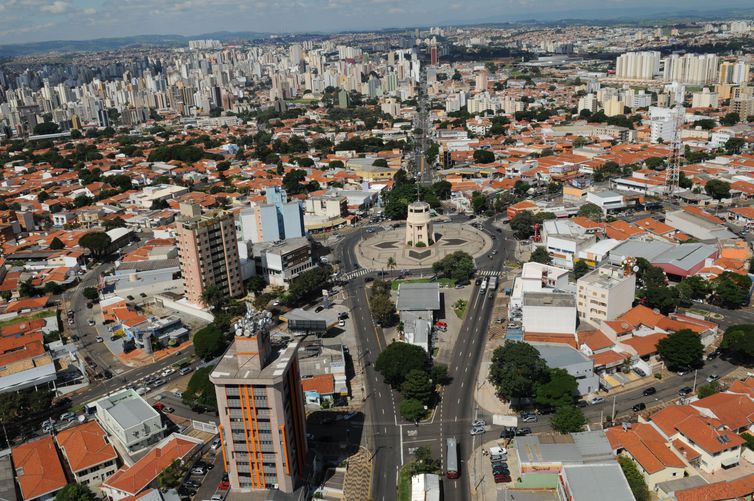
612, 418
693, 389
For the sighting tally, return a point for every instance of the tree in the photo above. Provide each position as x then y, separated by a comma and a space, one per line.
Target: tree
116, 222
424, 462
418, 386
256, 284
693, 287
380, 162
568, 419
75, 492
309, 284
580, 268
592, 211
484, 157
635, 479
336, 164
648, 274
655, 163
56, 244
43, 196
681, 350
82, 201
200, 390
558, 390
90, 293
731, 290
412, 410
522, 225
209, 342
738, 341
683, 181
478, 202
730, 119
391, 264
540, 255
520, 188
515, 370
708, 389
442, 189
171, 476
662, 297
383, 310
398, 359
459, 266
292, 181
717, 189
734, 145
45, 128
97, 242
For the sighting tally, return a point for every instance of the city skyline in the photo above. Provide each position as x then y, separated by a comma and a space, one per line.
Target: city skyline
29, 21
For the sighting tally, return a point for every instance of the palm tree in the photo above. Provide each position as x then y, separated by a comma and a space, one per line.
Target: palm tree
391, 264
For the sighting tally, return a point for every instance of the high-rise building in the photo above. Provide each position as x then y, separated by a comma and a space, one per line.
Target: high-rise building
664, 123
433, 55
278, 219
261, 409
691, 69
208, 252
734, 73
637, 65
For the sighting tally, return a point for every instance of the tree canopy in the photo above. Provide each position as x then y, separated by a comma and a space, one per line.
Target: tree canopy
516, 369
738, 341
200, 389
484, 156
568, 419
398, 359
559, 389
540, 255
209, 342
309, 284
97, 242
681, 350
458, 265
635, 478
75, 492
592, 211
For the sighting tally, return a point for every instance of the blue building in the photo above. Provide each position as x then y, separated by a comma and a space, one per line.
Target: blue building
278, 219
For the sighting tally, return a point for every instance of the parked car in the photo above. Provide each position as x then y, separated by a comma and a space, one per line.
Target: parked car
91, 322
158, 406
520, 432
198, 470
185, 370
99, 339
712, 378
479, 422
639, 372
713, 355
341, 323
168, 410
499, 479
158, 382
178, 394
508, 432
649, 391
215, 444
686, 390
67, 416
168, 371
318, 309
597, 400
477, 430
528, 418
639, 407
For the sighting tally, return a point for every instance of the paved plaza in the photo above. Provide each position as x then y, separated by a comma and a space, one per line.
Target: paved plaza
374, 251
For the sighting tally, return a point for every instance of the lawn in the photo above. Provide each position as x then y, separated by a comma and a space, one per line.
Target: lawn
448, 282
404, 484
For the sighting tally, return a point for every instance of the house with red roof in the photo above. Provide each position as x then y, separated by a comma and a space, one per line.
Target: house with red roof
39, 472
726, 490
90, 456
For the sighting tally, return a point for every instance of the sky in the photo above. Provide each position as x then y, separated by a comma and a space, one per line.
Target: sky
24, 21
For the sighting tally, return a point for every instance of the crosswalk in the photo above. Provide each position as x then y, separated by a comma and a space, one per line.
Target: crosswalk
488, 273
356, 273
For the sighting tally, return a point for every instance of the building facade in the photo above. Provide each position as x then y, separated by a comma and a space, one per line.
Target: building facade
208, 252
604, 294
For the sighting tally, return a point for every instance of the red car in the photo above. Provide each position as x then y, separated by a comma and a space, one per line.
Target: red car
159, 406
499, 479
223, 486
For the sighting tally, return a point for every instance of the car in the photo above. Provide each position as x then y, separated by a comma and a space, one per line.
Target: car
70, 321
192, 483
341, 323
499, 479
318, 309
682, 372
215, 444
224, 485
67, 416
75, 338
107, 374
479, 422
528, 418
342, 315
158, 406
494, 251
99, 339
185, 370
91, 322
142, 390
368, 279
597, 400
198, 470
520, 432
478, 281
686, 390
168, 410
581, 403
158, 382
217, 497
508, 432
70, 313
186, 491
199, 409
712, 378
639, 372
168, 372
639, 407
178, 394
90, 305
500, 471
713, 355
649, 391
477, 430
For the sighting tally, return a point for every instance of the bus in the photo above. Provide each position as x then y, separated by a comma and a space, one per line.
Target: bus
451, 470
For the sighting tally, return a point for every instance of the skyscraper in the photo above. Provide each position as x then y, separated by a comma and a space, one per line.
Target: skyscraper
637, 65
433, 55
208, 252
278, 219
261, 408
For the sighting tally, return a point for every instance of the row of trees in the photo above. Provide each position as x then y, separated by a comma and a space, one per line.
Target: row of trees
520, 375
381, 305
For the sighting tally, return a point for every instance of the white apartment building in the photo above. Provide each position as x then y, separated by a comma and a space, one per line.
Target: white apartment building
691, 69
604, 294
549, 313
130, 421
664, 123
564, 240
704, 99
637, 65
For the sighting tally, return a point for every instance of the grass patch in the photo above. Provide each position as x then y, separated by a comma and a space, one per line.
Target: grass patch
447, 282
26, 318
459, 308
404, 483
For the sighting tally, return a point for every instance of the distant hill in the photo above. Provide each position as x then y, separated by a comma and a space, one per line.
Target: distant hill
99, 44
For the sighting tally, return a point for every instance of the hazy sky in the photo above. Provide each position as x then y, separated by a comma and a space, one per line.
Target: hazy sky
38, 20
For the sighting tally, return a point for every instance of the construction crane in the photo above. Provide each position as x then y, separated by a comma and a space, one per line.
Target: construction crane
673, 172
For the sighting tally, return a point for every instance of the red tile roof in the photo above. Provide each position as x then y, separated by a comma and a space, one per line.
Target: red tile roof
738, 488
323, 384
38, 468
85, 446
646, 446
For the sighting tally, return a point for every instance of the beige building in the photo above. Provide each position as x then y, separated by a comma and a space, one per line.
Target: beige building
208, 252
91, 458
419, 224
604, 294
261, 408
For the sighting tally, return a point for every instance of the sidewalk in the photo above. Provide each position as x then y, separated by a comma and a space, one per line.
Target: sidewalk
358, 479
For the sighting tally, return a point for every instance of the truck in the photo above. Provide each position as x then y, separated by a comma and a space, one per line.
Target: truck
493, 283
501, 420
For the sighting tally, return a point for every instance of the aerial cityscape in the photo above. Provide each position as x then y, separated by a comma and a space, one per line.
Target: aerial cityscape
376, 250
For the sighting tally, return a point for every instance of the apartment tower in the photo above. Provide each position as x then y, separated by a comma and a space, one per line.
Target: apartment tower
261, 407
208, 252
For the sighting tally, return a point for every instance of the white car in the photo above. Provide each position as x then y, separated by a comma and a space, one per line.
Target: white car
712, 378
215, 444
142, 390
91, 322
168, 372
597, 400
99, 339
479, 422
341, 323
477, 430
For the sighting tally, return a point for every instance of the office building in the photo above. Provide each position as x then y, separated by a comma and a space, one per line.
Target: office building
130, 421
278, 219
281, 262
261, 408
604, 294
637, 65
208, 253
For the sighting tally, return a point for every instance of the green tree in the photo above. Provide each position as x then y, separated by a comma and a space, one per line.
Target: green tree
516, 369
635, 479
90, 293
97, 242
738, 341
116, 222
380, 162
683, 181
681, 350
592, 211
398, 359
540, 255
43, 196
412, 410
82, 201
693, 287
209, 342
568, 419
424, 462
336, 164
520, 188
655, 163
292, 181
522, 225
478, 202
484, 157
75, 492
734, 145
648, 274
309, 284
200, 390
383, 310
256, 284
56, 244
442, 189
717, 189
730, 119
418, 386
171, 476
663, 298
580, 268
214, 297
45, 128
458, 265
559, 389
731, 290
708, 389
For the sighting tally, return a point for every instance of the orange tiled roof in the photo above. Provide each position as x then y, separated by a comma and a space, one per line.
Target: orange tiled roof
595, 339
734, 410
545, 337
31, 303
323, 384
609, 358
646, 446
645, 345
738, 488
85, 445
38, 468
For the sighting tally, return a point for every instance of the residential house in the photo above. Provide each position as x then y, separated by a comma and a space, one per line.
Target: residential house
39, 472
90, 456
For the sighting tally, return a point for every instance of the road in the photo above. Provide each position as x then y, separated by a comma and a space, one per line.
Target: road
389, 438
422, 123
